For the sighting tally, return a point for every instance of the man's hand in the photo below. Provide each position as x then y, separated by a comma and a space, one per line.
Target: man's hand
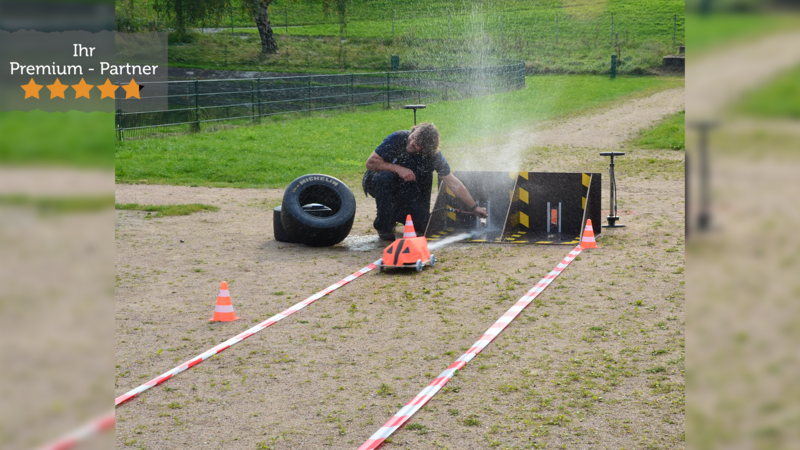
481, 212
406, 174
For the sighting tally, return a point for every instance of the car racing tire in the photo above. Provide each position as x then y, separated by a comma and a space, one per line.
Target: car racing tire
280, 233
277, 228
433, 260
419, 265
314, 230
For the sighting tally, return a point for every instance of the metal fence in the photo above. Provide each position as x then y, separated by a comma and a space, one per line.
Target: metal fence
190, 104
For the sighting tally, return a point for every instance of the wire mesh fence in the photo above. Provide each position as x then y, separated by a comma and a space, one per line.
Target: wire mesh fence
190, 104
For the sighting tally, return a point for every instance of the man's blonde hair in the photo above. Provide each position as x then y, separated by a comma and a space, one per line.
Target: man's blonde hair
428, 138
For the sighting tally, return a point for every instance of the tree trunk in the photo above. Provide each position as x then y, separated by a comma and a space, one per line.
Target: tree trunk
268, 44
180, 25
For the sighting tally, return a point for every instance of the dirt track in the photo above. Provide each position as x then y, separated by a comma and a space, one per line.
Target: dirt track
596, 362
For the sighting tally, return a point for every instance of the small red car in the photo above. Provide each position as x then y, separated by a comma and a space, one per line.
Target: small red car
407, 253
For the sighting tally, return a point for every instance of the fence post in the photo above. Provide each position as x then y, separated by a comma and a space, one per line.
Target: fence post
502, 29
674, 29
119, 123
613, 66
196, 107
612, 29
352, 103
258, 96
388, 83
309, 94
252, 100
556, 28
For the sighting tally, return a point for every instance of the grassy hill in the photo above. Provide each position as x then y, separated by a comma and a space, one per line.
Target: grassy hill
552, 36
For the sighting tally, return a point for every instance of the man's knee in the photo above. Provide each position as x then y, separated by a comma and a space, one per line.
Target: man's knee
384, 183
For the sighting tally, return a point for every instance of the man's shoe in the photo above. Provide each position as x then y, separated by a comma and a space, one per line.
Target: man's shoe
386, 236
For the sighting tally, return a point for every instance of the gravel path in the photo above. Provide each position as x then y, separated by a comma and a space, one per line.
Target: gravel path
716, 80
611, 128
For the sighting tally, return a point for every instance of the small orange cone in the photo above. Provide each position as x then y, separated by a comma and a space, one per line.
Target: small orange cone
223, 312
588, 236
408, 231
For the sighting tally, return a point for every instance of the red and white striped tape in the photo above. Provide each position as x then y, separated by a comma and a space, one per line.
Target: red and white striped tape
96, 426
438, 383
242, 336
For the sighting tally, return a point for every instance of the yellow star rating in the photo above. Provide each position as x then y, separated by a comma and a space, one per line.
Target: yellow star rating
131, 89
57, 89
32, 89
82, 89
107, 89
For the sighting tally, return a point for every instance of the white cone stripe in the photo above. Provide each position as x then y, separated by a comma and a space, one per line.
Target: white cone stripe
224, 293
223, 308
444, 377
588, 239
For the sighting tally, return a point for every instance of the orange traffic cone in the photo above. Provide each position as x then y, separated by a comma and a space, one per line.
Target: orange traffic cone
588, 236
408, 231
223, 312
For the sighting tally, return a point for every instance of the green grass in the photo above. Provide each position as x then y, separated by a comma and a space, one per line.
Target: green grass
273, 154
708, 32
549, 37
50, 138
166, 210
670, 133
779, 98
310, 13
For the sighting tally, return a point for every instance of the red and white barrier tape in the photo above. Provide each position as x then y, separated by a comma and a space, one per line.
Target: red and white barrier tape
96, 426
438, 383
242, 336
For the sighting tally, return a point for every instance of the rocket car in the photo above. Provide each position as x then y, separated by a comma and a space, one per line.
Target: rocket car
409, 252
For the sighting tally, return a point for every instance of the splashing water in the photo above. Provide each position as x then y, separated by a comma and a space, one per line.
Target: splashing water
449, 240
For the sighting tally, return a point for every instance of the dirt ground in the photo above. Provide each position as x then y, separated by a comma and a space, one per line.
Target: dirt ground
596, 362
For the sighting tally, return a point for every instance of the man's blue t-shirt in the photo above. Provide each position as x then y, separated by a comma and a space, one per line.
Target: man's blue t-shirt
393, 150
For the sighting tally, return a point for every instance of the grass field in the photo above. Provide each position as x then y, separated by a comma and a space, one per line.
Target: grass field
670, 133
72, 138
166, 210
273, 154
296, 13
779, 98
552, 37
704, 33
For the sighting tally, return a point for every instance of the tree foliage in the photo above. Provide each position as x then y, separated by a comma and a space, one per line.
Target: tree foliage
185, 13
340, 8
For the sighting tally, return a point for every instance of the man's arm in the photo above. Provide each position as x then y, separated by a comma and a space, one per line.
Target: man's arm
461, 192
376, 164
